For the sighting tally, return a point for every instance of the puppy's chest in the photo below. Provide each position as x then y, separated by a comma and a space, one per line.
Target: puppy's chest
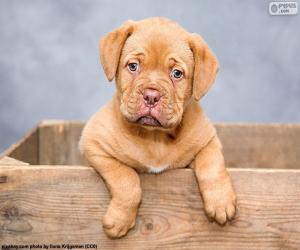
150, 151
154, 157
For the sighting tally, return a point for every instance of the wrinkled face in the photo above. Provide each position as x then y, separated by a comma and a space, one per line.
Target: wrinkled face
159, 69
155, 79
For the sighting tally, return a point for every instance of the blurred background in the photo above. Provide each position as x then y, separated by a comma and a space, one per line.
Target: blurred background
49, 63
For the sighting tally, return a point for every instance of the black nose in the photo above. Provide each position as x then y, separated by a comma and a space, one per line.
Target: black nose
151, 97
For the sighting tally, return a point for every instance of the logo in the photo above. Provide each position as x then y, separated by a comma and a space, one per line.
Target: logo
283, 8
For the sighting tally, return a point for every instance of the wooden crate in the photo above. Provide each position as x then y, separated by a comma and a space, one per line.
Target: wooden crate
55, 198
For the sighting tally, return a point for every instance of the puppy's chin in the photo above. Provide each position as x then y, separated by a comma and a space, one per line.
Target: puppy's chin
148, 121
151, 123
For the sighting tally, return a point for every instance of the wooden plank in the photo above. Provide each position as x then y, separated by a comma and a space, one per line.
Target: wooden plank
41, 204
26, 149
245, 145
8, 161
58, 143
261, 145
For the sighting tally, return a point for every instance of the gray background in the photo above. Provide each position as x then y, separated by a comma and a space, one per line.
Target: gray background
49, 66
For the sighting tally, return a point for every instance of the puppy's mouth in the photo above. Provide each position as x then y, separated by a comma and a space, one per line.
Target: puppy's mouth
149, 121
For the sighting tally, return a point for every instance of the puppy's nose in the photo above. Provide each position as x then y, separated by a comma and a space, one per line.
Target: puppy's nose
151, 97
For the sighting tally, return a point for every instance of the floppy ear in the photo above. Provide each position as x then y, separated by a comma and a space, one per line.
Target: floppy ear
206, 66
111, 46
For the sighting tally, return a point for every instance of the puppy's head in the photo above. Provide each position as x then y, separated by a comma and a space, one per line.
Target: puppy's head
159, 68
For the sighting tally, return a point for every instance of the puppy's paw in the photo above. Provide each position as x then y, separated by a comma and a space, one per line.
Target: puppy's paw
117, 221
220, 206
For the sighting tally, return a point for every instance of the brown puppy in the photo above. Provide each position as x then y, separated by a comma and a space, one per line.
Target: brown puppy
154, 122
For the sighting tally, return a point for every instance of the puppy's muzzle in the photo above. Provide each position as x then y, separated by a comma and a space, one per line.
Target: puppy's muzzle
148, 113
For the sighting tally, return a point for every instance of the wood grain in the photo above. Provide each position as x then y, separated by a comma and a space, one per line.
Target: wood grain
58, 143
26, 149
245, 145
261, 145
47, 204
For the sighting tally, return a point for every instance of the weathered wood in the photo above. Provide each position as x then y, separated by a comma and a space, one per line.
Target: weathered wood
245, 145
8, 161
260, 145
41, 204
58, 143
26, 149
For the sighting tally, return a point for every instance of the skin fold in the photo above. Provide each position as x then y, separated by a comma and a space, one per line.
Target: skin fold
154, 122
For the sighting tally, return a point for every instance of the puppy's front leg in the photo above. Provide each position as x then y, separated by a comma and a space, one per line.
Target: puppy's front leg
214, 182
124, 184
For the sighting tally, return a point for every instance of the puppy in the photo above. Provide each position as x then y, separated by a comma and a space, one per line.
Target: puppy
154, 122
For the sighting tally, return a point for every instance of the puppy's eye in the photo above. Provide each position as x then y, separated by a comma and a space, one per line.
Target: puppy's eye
177, 74
133, 67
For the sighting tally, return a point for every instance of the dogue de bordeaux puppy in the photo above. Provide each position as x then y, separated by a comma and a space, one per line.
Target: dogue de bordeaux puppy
154, 122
